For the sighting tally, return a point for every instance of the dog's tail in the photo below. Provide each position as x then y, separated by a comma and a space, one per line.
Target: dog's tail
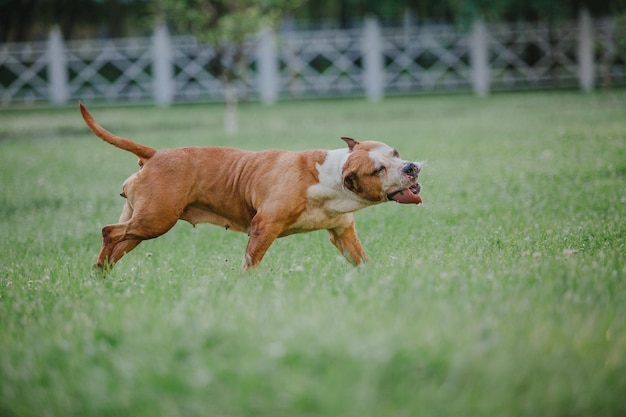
142, 151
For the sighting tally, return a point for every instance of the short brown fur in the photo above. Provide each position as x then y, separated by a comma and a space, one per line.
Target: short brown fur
264, 194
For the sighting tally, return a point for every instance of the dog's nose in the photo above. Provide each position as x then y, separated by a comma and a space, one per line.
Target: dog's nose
411, 169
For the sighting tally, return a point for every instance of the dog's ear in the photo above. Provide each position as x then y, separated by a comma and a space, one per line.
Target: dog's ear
351, 182
351, 142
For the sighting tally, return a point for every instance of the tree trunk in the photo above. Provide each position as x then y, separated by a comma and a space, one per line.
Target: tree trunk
552, 42
116, 19
25, 20
606, 56
230, 112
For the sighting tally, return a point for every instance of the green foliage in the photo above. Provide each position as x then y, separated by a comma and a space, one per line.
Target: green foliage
467, 11
543, 10
462, 11
225, 24
502, 295
24, 19
216, 21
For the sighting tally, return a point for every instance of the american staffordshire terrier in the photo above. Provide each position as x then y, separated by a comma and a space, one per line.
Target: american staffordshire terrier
267, 194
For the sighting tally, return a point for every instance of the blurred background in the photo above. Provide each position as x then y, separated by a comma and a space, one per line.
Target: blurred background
166, 51
27, 20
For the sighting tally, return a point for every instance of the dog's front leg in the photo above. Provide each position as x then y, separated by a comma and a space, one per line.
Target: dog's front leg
348, 243
263, 232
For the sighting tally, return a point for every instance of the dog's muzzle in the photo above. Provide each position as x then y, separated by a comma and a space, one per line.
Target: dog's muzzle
408, 195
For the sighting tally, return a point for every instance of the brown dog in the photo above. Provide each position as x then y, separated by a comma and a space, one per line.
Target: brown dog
267, 194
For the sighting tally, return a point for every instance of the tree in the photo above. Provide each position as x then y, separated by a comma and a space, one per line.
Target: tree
225, 25
25, 20
16, 18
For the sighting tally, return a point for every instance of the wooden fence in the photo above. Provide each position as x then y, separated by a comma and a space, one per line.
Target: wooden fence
370, 61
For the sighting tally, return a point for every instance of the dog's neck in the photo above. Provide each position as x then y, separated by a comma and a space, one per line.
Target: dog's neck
330, 172
330, 192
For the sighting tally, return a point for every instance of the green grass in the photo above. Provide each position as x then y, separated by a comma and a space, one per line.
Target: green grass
503, 295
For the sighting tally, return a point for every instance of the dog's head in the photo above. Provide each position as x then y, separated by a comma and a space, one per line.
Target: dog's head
375, 172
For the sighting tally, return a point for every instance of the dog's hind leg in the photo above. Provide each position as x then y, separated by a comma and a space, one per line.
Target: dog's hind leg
119, 239
112, 252
121, 249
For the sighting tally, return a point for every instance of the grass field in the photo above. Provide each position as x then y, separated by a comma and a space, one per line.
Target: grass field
504, 294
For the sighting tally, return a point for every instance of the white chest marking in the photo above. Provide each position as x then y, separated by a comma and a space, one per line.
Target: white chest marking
329, 204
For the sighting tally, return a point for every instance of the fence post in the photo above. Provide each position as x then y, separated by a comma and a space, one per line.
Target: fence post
162, 81
267, 59
479, 50
373, 70
57, 67
586, 76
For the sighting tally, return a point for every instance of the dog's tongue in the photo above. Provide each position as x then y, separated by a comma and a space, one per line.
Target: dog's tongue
407, 197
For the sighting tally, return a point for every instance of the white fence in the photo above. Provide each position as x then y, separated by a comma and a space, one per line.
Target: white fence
370, 61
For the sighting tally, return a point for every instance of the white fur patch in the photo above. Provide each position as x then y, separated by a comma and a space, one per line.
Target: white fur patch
382, 152
330, 192
329, 203
330, 170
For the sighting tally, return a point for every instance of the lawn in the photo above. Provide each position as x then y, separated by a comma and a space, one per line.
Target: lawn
504, 294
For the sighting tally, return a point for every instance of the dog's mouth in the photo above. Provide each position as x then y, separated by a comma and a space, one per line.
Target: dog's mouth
407, 195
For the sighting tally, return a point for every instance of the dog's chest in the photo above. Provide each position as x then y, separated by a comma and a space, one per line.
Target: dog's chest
329, 205
326, 209
316, 218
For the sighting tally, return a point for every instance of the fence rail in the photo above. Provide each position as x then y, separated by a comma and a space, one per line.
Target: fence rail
370, 61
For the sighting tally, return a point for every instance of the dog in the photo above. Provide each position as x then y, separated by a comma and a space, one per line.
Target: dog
266, 194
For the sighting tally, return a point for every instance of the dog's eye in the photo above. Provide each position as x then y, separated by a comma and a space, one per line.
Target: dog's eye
396, 154
379, 171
